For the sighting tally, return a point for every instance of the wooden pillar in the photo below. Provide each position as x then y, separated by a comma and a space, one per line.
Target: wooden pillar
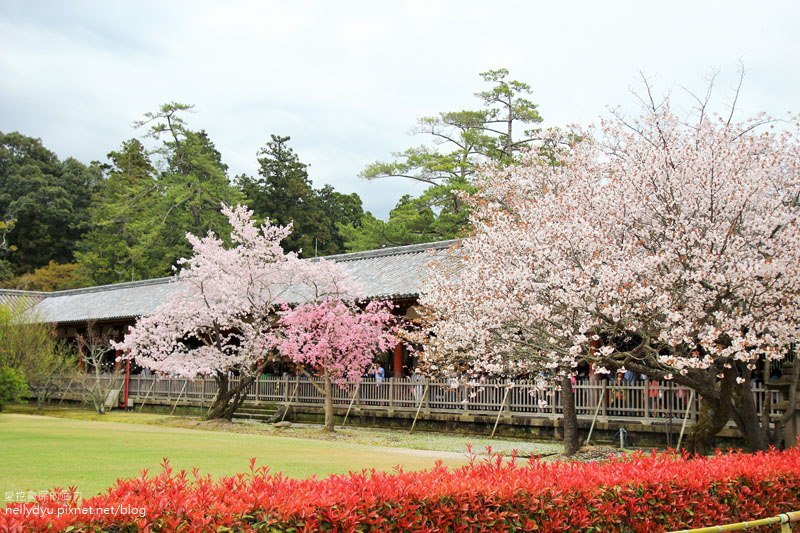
126, 390
397, 366
81, 358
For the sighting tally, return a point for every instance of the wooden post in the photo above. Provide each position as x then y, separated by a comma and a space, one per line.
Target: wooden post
604, 397
397, 367
63, 395
289, 401
419, 406
352, 400
500, 411
685, 418
594, 419
185, 382
153, 384
127, 382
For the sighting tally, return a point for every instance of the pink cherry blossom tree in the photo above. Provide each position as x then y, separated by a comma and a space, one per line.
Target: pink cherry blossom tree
222, 323
338, 339
671, 248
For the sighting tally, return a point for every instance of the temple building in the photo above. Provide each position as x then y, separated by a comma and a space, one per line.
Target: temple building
394, 274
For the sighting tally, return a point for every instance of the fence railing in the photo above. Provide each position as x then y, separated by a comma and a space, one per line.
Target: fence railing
645, 401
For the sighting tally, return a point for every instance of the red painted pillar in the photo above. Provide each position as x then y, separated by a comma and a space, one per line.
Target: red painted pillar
397, 366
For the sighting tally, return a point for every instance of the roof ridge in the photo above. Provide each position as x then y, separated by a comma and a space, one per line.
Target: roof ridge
352, 256
392, 250
112, 286
23, 292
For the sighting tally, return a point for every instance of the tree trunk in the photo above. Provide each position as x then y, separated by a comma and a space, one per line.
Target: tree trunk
222, 398
570, 417
715, 409
745, 414
228, 399
328, 403
713, 416
97, 396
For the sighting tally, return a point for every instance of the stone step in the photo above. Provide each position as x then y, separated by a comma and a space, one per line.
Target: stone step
260, 413
256, 410
259, 417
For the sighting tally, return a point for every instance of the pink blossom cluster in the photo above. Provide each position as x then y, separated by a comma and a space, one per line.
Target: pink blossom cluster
224, 319
341, 339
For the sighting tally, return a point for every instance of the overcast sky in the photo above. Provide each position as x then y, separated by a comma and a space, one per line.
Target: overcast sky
347, 80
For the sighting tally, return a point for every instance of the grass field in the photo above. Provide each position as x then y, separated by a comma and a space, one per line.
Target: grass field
77, 447
40, 452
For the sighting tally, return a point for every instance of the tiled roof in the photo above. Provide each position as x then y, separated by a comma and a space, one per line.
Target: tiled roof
386, 273
13, 297
392, 272
106, 302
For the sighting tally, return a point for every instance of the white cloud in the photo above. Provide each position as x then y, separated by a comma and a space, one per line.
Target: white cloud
347, 80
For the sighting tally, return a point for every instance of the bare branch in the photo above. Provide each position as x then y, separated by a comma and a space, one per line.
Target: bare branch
737, 91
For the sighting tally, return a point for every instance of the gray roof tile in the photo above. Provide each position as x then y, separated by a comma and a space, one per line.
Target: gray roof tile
386, 273
12, 297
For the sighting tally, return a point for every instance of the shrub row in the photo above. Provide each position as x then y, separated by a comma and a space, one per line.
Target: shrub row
639, 492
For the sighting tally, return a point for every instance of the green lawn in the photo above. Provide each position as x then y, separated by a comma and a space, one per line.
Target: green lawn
41, 452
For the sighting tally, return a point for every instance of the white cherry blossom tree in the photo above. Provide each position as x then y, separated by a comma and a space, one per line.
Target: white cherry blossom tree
223, 323
667, 247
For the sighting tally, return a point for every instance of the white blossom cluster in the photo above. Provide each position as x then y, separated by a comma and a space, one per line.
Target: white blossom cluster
653, 238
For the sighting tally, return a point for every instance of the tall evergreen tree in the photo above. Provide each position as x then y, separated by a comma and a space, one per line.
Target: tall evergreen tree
285, 195
497, 132
151, 200
124, 242
43, 203
341, 210
193, 182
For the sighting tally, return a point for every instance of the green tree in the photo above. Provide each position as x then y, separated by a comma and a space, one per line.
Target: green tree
149, 201
53, 277
196, 184
462, 141
285, 195
43, 203
192, 183
410, 222
29, 350
12, 386
341, 210
124, 242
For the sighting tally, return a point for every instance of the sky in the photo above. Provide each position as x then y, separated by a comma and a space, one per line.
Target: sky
347, 80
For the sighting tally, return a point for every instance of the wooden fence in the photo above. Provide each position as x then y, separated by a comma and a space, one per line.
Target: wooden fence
642, 401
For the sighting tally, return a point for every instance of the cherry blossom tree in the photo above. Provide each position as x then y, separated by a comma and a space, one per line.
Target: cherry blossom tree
338, 339
671, 248
222, 323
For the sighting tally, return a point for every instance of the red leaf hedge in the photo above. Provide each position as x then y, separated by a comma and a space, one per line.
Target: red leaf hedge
634, 493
